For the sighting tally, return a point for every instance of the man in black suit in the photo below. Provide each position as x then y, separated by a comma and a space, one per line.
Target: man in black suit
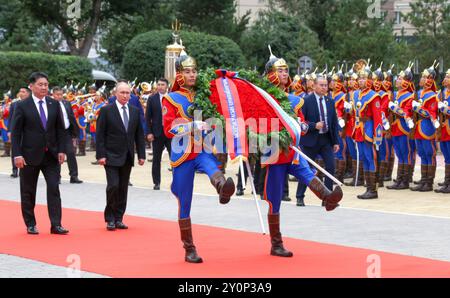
38, 145
322, 135
23, 93
155, 130
118, 130
71, 130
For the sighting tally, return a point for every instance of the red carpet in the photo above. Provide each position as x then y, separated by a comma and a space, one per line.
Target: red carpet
152, 248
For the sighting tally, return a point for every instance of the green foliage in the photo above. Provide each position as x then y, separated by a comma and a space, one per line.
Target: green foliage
432, 21
16, 67
144, 55
354, 35
213, 17
119, 31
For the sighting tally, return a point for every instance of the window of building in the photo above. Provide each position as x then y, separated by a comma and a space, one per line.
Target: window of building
398, 17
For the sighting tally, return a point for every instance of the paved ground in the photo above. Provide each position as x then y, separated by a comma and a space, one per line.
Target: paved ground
400, 221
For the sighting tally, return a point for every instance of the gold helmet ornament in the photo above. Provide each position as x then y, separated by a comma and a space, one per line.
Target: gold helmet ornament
407, 76
185, 61
430, 74
272, 67
274, 62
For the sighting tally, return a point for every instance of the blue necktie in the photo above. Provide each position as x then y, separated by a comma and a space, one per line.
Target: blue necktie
42, 114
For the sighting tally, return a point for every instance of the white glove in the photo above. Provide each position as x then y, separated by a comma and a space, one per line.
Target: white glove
377, 147
304, 126
348, 106
200, 125
410, 123
436, 124
415, 104
392, 105
341, 123
441, 105
386, 126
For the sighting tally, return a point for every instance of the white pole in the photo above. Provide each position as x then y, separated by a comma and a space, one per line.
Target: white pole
357, 164
250, 176
317, 166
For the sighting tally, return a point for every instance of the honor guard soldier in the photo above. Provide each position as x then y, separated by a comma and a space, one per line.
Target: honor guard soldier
444, 108
426, 110
402, 124
181, 128
368, 129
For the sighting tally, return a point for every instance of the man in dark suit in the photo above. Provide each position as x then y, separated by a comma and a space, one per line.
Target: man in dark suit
37, 142
71, 130
322, 136
155, 130
23, 93
118, 130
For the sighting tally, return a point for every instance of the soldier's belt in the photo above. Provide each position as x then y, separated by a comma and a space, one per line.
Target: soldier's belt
363, 119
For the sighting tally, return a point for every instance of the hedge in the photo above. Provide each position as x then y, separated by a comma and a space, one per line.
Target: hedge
144, 55
16, 67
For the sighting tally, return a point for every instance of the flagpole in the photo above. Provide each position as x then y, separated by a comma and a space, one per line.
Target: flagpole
258, 209
317, 166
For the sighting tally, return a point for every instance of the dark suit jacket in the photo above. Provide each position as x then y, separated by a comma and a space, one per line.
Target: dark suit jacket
312, 116
134, 101
28, 136
113, 142
73, 129
11, 114
154, 116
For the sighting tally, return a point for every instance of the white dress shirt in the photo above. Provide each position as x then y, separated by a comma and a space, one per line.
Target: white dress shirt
44, 105
65, 116
119, 106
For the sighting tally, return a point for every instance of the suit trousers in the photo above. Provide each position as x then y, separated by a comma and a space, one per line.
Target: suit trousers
71, 159
158, 146
117, 191
28, 184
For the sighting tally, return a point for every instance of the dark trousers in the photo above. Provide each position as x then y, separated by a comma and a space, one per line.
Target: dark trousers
71, 159
158, 145
260, 180
325, 149
14, 168
28, 184
117, 191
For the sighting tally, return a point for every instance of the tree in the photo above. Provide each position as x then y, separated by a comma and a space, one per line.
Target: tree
213, 17
313, 13
353, 35
431, 20
289, 37
118, 32
79, 32
144, 55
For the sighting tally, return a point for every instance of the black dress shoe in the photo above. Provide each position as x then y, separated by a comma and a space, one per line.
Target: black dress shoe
239, 192
32, 230
58, 230
286, 199
75, 180
300, 203
129, 183
110, 226
95, 162
170, 169
156, 187
120, 225
14, 174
